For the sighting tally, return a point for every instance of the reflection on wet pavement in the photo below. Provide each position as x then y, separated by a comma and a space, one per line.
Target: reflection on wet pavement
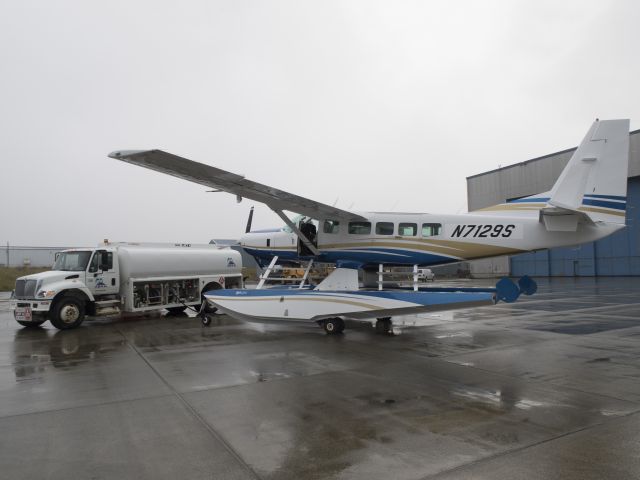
547, 387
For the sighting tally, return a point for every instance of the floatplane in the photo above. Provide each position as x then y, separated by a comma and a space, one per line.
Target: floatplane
586, 203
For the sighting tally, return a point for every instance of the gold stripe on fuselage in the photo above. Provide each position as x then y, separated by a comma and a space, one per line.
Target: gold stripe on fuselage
617, 213
463, 250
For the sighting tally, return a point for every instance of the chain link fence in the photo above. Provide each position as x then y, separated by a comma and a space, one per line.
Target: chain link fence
26, 256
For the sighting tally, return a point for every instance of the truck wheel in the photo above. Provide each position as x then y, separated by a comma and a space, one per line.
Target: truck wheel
68, 312
33, 324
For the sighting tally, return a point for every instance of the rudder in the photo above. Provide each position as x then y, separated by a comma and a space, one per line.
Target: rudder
595, 179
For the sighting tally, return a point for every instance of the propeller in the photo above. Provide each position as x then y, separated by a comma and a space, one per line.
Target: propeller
249, 220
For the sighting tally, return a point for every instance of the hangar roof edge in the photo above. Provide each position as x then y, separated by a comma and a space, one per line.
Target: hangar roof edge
634, 132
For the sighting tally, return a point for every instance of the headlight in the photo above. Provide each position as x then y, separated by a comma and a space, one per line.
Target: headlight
45, 294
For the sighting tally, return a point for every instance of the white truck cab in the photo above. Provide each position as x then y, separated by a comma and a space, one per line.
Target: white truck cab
123, 277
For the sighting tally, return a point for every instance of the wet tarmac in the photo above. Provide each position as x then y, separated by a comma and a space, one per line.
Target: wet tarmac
548, 387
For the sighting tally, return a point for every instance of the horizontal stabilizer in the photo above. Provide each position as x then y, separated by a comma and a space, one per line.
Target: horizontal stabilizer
557, 219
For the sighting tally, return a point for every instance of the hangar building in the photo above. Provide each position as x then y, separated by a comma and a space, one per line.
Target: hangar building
618, 254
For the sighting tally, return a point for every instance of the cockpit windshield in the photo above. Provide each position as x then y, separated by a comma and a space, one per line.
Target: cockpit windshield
72, 261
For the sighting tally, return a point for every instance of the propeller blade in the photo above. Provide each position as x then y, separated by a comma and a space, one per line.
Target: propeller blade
249, 220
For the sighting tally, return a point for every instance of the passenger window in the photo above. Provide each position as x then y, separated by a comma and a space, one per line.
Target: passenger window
384, 228
431, 229
331, 226
360, 228
407, 229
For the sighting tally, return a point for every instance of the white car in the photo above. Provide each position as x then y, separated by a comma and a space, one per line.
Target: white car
426, 275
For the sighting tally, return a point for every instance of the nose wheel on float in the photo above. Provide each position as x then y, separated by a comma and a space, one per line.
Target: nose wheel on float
205, 313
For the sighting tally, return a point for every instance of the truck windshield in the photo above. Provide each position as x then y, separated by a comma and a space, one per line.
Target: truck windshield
72, 261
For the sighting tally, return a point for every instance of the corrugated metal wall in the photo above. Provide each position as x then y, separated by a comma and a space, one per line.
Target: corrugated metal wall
616, 255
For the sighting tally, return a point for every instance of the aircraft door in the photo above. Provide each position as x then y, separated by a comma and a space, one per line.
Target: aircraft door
309, 229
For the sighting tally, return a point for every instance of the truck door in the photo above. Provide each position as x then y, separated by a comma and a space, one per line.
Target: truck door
103, 275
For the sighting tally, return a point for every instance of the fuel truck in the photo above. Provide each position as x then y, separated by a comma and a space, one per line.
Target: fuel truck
117, 278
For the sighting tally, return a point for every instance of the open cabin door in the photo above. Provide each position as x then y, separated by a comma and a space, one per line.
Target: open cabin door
309, 229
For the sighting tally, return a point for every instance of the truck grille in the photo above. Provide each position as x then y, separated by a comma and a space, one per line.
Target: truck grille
25, 289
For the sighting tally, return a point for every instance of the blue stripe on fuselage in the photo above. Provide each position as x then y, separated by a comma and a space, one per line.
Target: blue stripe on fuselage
602, 203
385, 255
528, 200
375, 256
594, 200
607, 197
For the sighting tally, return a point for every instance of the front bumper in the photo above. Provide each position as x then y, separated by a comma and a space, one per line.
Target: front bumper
35, 305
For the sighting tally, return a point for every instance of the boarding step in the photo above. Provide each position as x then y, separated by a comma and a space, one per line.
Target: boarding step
107, 307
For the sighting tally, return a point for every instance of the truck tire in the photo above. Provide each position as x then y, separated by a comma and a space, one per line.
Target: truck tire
34, 324
67, 312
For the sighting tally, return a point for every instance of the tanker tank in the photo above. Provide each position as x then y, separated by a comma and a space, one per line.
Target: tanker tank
146, 262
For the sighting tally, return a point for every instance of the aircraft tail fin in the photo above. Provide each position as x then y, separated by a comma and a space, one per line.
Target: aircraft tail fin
594, 182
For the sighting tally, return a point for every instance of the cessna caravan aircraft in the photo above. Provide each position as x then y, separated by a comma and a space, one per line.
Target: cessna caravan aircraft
587, 202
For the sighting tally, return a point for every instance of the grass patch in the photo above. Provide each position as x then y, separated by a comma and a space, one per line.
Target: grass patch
8, 275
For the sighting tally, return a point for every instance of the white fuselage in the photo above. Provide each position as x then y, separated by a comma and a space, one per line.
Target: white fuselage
423, 239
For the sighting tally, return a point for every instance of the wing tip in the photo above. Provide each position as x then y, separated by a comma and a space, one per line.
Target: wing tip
120, 154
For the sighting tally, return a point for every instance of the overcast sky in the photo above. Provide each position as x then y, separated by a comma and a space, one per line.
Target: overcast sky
373, 105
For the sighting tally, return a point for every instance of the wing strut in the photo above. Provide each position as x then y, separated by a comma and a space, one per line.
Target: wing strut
297, 231
265, 276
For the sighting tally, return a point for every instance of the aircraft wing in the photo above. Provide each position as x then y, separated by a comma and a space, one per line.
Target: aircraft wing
222, 180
